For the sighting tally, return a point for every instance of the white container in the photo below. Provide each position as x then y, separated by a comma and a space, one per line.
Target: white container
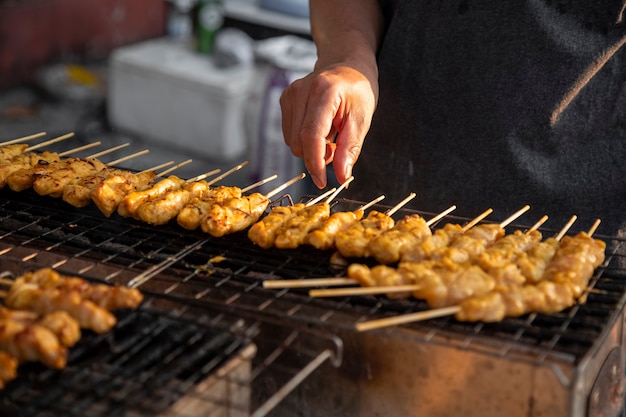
163, 91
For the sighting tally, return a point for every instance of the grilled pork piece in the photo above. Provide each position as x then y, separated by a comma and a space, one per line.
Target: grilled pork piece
354, 241
133, 200
292, 234
191, 215
109, 194
234, 215
263, 233
324, 236
53, 180
390, 245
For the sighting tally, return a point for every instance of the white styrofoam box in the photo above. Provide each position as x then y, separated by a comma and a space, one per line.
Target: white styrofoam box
163, 91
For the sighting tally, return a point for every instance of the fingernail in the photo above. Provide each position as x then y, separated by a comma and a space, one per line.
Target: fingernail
348, 171
318, 181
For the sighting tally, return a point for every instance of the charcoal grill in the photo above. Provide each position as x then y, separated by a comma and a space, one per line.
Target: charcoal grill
565, 364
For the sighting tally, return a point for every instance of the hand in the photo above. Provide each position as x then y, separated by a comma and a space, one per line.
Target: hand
325, 117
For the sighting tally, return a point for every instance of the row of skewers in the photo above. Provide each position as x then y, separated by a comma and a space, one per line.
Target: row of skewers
449, 267
44, 312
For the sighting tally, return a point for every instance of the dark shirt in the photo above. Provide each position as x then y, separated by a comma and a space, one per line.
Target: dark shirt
499, 104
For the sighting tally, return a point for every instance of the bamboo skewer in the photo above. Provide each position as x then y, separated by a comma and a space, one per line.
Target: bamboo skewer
23, 139
439, 312
340, 292
224, 175
281, 187
106, 151
202, 176
401, 204
259, 183
126, 158
154, 168
80, 148
49, 142
175, 167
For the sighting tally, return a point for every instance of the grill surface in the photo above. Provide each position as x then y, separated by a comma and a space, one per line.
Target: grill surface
225, 275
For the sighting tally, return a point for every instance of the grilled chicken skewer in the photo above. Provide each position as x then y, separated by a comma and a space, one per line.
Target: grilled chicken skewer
134, 200
294, 231
16, 157
109, 193
45, 291
391, 245
196, 196
64, 327
563, 282
354, 241
440, 281
324, 236
31, 343
46, 301
110, 297
238, 214
24, 177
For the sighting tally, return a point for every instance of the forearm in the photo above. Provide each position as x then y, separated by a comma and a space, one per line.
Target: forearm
347, 31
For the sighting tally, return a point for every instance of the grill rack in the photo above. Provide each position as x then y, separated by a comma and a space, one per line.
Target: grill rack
123, 251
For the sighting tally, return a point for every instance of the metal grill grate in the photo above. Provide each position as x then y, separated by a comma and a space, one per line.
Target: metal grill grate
225, 276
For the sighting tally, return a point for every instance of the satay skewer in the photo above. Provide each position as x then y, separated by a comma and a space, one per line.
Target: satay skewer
80, 148
107, 151
174, 168
433, 313
294, 231
240, 213
49, 142
23, 139
323, 282
340, 292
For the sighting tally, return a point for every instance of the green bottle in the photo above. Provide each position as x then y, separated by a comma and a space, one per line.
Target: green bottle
210, 20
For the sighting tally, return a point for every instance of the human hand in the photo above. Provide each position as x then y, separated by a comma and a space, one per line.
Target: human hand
325, 117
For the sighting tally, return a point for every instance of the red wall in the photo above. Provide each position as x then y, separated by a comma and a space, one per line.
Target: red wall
34, 33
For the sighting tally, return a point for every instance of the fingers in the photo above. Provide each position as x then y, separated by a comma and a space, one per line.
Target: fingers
325, 118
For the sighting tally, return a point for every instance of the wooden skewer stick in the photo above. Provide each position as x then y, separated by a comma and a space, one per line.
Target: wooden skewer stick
594, 227
259, 183
371, 203
340, 292
154, 168
285, 185
406, 318
340, 189
49, 142
107, 151
307, 282
80, 148
440, 216
126, 158
175, 167
321, 197
203, 176
514, 216
227, 173
476, 220
23, 139
401, 204
540, 222
434, 313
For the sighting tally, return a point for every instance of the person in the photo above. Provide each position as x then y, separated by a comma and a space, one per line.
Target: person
477, 103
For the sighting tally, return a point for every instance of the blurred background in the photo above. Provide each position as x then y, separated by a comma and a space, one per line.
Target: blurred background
186, 79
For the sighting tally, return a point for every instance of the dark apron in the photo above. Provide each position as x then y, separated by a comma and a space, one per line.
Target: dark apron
500, 104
